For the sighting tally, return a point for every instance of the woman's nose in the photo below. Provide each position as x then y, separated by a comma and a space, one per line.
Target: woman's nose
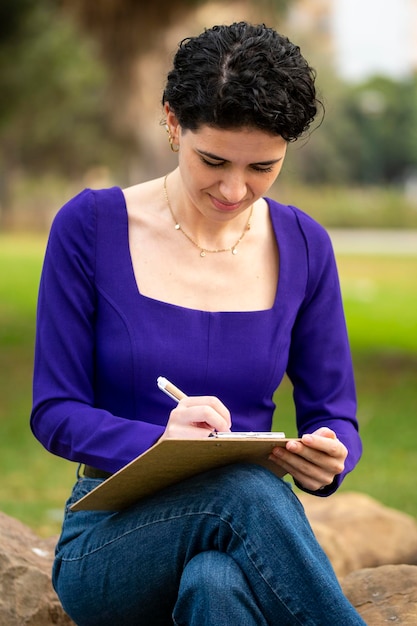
233, 188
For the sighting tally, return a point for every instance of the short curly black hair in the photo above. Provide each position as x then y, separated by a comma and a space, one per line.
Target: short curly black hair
242, 75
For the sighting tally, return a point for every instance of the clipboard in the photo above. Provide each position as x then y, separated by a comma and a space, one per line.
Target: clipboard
172, 460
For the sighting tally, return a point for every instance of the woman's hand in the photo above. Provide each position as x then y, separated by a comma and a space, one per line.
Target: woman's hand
314, 461
195, 417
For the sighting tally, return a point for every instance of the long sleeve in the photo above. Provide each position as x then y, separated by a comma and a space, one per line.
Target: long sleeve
320, 365
65, 417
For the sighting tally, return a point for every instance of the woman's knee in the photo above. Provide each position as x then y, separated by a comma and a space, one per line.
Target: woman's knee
249, 483
214, 572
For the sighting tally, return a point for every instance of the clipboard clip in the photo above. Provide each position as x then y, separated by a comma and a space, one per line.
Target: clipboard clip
247, 435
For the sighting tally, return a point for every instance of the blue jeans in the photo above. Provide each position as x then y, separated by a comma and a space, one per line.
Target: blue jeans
230, 546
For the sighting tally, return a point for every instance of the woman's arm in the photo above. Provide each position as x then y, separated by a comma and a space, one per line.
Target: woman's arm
320, 368
64, 416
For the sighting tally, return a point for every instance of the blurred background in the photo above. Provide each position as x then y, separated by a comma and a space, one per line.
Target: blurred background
80, 91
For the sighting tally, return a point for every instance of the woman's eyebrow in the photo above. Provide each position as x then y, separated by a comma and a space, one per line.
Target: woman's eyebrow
218, 158
210, 155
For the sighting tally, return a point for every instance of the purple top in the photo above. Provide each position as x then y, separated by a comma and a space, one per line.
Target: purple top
101, 344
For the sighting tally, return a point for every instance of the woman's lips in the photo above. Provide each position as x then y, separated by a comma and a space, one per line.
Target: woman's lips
226, 206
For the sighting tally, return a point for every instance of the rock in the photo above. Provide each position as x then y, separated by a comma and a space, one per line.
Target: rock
26, 594
357, 532
384, 595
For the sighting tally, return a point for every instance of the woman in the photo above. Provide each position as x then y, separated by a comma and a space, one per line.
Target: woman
199, 278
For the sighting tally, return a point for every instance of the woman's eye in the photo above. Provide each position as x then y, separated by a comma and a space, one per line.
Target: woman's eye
256, 168
211, 163
265, 170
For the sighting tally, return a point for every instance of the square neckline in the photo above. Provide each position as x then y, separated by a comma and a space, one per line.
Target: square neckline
126, 247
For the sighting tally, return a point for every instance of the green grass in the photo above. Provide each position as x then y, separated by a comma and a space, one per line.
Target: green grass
380, 300
387, 399
380, 296
34, 484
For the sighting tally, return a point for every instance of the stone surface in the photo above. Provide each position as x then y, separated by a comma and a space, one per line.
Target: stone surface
357, 532
384, 595
26, 594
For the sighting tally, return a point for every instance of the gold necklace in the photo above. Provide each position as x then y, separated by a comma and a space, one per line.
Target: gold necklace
204, 251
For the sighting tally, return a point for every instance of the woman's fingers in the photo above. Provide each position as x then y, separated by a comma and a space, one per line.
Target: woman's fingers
210, 405
315, 460
197, 416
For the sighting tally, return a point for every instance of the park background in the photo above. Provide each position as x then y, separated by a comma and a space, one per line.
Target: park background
80, 89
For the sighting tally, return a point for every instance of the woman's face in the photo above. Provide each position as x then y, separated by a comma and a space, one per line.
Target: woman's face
223, 172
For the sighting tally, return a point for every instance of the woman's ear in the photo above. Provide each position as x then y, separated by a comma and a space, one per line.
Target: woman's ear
172, 123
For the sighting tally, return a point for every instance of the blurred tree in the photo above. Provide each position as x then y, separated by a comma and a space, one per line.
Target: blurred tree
368, 136
323, 155
75, 91
384, 114
127, 29
53, 114
65, 91
12, 13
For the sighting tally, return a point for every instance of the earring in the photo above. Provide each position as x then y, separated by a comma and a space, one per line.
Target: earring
174, 147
